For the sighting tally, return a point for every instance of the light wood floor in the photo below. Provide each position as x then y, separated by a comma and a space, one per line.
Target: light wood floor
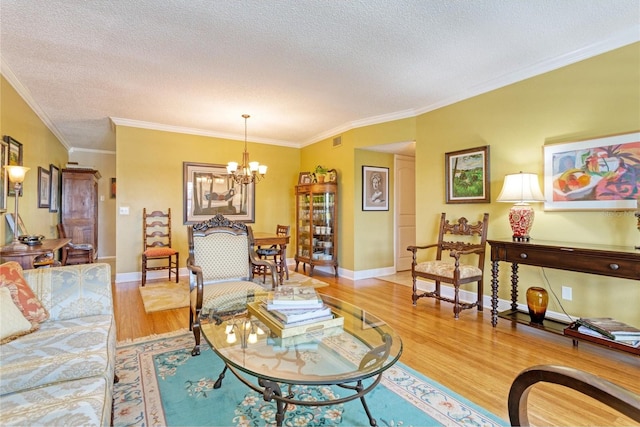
468, 355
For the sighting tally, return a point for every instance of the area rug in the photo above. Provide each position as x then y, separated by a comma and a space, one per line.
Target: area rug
162, 384
167, 295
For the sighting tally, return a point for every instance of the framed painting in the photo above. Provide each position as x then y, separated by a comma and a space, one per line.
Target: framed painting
4, 180
44, 188
54, 192
467, 176
112, 189
14, 159
207, 192
305, 178
375, 188
22, 230
595, 174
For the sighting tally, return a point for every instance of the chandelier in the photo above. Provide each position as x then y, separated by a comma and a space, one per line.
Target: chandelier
247, 172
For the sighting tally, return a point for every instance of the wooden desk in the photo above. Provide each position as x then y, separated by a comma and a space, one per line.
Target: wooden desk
261, 238
605, 260
26, 257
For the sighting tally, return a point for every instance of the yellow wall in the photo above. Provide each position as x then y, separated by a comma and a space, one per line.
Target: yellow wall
149, 168
40, 148
595, 97
346, 160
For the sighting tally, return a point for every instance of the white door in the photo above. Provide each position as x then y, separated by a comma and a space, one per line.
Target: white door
405, 208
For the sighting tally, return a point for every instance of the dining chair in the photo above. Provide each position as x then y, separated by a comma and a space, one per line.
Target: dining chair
72, 253
274, 253
156, 244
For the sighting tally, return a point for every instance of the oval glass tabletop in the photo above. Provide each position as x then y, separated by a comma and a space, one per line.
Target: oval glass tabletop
361, 345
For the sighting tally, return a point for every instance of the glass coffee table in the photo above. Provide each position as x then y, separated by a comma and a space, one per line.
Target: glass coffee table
363, 347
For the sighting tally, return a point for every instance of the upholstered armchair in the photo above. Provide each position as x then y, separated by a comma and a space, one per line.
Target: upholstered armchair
221, 264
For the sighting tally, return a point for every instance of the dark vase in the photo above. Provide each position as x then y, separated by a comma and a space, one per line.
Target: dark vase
537, 301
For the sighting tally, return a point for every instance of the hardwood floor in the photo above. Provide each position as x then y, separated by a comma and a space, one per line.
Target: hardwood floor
468, 355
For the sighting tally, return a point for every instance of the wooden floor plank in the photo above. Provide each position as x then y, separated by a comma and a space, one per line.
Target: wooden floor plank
467, 355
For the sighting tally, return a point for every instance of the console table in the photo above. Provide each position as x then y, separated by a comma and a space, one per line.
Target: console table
605, 260
26, 257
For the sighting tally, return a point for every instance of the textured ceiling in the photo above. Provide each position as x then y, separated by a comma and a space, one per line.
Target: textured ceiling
304, 70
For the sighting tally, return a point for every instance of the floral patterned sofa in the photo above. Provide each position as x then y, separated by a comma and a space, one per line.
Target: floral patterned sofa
61, 371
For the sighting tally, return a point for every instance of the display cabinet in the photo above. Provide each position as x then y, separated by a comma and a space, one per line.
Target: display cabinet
317, 226
80, 205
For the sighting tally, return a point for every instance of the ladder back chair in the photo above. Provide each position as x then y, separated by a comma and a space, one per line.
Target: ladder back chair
274, 254
71, 253
156, 241
221, 264
459, 270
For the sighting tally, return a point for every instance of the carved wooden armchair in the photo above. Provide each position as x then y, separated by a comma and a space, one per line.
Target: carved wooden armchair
456, 271
622, 400
221, 264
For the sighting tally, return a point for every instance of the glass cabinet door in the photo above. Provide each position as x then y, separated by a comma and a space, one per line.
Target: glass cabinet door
304, 226
323, 216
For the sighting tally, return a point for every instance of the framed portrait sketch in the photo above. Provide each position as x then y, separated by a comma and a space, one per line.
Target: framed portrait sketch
467, 176
207, 192
375, 188
595, 174
4, 180
44, 187
54, 192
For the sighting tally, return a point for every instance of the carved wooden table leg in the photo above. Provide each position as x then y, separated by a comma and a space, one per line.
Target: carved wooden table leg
494, 293
514, 286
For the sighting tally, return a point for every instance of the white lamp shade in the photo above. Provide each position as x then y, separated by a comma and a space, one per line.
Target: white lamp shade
232, 167
521, 188
16, 173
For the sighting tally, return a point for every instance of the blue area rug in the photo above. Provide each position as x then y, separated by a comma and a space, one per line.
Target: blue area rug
161, 384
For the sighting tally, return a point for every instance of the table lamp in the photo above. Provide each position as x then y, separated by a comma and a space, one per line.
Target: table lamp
521, 189
16, 176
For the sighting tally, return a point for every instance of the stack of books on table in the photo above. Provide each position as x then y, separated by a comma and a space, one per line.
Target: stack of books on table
291, 311
610, 329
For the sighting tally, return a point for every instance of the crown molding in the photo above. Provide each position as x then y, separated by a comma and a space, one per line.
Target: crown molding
26, 95
118, 121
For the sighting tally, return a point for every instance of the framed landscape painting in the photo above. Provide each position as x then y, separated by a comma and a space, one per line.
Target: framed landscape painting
467, 176
595, 174
207, 192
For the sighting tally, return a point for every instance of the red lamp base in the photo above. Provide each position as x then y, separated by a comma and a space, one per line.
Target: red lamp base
521, 220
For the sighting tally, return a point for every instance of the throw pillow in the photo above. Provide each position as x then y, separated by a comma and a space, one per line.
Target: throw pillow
12, 323
28, 303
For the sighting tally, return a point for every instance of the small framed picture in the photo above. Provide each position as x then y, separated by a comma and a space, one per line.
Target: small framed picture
305, 178
14, 158
54, 202
44, 188
375, 188
113, 188
4, 181
467, 176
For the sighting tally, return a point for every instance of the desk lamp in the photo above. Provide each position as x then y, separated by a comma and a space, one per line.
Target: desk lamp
16, 175
521, 189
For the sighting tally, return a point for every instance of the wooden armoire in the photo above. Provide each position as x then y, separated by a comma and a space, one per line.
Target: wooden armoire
80, 205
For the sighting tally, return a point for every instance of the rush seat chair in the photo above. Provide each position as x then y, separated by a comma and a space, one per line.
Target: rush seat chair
157, 253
